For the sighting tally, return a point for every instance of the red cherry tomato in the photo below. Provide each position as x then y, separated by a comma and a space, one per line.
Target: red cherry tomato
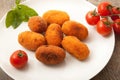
104, 27
116, 26
92, 17
114, 17
18, 59
104, 8
116, 10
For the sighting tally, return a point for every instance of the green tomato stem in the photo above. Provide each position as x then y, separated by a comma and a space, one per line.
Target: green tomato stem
20, 54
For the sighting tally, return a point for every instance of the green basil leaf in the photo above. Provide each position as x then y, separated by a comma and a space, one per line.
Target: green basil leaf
16, 20
19, 14
9, 18
26, 12
17, 1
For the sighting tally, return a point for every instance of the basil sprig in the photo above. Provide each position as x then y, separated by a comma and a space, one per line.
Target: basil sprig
19, 14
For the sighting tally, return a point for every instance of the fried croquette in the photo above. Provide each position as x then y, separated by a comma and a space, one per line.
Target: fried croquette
75, 47
49, 54
73, 28
56, 16
54, 34
37, 24
31, 40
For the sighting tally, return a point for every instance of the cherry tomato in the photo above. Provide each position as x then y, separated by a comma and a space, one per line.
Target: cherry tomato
18, 59
104, 8
114, 17
116, 10
104, 27
116, 26
92, 17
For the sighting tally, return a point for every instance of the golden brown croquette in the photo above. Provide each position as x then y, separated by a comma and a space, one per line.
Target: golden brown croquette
75, 47
37, 24
73, 28
54, 34
49, 54
56, 16
31, 40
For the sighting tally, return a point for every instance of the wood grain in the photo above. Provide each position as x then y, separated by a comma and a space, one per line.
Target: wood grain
111, 70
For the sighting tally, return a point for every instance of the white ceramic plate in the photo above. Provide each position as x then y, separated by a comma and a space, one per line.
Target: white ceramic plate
101, 48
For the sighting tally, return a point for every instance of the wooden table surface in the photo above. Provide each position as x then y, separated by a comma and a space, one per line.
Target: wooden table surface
111, 70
